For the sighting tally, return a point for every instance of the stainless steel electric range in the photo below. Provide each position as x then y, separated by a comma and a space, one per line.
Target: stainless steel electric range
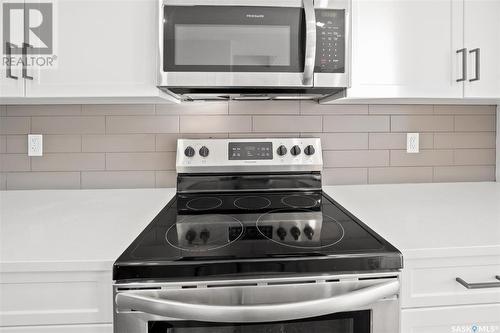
251, 243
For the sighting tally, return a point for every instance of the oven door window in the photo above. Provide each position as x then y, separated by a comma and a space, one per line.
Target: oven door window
233, 39
348, 322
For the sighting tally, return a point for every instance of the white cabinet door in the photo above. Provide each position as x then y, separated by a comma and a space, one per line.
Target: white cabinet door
482, 32
406, 49
473, 318
10, 86
104, 48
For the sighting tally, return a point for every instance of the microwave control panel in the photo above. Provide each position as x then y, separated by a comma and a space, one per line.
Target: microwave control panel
330, 40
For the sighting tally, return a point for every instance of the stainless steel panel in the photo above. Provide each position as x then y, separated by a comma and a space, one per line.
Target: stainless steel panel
218, 158
230, 79
263, 3
264, 293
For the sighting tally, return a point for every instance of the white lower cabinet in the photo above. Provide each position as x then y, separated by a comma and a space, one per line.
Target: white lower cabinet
54, 300
452, 319
434, 301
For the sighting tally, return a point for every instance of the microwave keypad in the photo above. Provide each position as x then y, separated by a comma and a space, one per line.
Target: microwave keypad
330, 43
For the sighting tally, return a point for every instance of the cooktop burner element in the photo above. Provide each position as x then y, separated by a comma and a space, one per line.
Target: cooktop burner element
299, 201
300, 229
204, 203
192, 233
252, 203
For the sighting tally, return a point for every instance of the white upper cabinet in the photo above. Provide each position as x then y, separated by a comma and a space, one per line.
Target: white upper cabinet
482, 40
446, 49
406, 49
11, 83
103, 49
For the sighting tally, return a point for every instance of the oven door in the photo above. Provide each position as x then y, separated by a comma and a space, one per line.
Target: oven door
222, 43
355, 305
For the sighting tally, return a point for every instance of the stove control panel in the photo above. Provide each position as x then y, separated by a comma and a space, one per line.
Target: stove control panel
249, 155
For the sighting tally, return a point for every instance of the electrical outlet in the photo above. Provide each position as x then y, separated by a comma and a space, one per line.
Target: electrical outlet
412, 143
35, 145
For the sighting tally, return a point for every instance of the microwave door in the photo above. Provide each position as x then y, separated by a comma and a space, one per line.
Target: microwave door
238, 46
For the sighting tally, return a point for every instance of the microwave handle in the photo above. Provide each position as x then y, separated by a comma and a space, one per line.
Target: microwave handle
351, 301
310, 56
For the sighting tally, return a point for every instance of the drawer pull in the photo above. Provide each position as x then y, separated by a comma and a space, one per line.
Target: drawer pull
479, 285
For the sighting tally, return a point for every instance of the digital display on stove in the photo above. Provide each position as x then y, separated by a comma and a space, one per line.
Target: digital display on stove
247, 151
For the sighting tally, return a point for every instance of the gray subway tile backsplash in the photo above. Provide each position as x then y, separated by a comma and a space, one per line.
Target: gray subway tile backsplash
69, 162
283, 124
141, 124
215, 124
401, 109
465, 140
429, 123
395, 175
140, 161
43, 180
133, 146
117, 109
356, 124
398, 140
14, 125
476, 123
118, 143
117, 179
67, 125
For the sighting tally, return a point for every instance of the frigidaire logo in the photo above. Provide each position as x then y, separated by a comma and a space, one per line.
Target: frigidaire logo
255, 15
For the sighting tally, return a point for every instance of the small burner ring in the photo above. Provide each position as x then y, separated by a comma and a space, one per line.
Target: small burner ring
241, 204
204, 203
293, 201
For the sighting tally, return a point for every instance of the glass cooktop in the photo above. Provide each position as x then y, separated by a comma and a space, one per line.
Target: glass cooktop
259, 233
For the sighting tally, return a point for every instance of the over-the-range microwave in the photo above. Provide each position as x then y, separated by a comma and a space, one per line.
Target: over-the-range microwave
254, 49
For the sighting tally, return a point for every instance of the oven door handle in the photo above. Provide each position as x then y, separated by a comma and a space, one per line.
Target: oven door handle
257, 312
310, 55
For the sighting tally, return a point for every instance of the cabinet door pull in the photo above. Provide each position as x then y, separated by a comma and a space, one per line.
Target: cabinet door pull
25, 61
478, 64
464, 64
479, 285
8, 49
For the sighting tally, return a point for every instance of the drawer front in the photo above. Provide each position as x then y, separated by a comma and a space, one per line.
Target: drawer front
55, 298
452, 319
97, 328
432, 282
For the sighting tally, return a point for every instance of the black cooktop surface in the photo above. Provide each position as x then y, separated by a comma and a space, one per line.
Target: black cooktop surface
227, 235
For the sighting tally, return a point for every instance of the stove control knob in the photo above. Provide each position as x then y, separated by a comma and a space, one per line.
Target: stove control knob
282, 150
295, 150
309, 150
190, 236
295, 233
309, 232
281, 233
204, 235
204, 151
189, 151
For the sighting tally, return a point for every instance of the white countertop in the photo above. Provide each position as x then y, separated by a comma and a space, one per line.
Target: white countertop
89, 229
429, 220
73, 229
